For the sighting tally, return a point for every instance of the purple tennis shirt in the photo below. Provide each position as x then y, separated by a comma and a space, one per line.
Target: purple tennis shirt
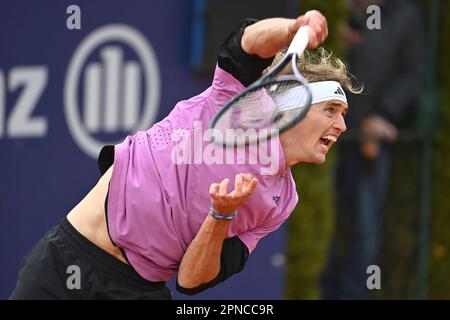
159, 189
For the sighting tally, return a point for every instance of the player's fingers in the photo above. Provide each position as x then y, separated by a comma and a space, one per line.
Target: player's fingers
216, 200
213, 188
223, 187
325, 27
318, 24
318, 29
300, 21
317, 16
251, 187
324, 30
295, 25
246, 178
238, 184
213, 191
306, 18
322, 34
313, 41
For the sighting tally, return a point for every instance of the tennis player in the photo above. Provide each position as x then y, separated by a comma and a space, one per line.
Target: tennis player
150, 218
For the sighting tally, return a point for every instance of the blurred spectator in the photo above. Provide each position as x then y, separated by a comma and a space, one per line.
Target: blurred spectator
390, 64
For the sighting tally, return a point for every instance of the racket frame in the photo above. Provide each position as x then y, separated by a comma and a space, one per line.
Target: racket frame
296, 48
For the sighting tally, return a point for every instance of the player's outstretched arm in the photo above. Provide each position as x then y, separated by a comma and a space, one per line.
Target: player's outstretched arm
266, 37
201, 261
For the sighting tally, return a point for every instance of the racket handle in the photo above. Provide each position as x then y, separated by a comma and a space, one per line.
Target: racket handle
300, 41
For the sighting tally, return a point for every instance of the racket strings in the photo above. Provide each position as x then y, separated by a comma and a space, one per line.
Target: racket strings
271, 105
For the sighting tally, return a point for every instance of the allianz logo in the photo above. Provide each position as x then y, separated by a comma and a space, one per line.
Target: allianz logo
111, 99
106, 93
118, 107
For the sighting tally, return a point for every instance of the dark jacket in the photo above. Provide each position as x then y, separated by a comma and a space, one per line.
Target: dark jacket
389, 62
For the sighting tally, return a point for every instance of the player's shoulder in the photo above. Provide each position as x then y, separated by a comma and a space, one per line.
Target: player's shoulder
225, 82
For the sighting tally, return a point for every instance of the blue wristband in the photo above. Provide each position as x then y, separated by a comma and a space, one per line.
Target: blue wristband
212, 213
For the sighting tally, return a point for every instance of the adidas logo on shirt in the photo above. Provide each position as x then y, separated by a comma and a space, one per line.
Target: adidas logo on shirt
276, 199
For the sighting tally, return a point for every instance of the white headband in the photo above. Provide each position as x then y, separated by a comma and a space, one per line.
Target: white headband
321, 91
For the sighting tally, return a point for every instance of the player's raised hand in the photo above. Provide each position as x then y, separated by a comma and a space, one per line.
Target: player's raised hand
318, 27
226, 203
268, 36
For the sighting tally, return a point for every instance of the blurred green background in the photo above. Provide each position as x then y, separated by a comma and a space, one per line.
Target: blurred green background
415, 261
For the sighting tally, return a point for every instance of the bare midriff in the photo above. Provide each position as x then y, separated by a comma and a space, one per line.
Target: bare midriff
88, 217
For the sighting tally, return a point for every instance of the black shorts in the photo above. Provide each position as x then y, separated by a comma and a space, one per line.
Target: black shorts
66, 265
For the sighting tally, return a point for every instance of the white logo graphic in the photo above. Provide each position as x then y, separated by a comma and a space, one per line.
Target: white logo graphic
73, 22
197, 148
74, 280
374, 280
111, 99
374, 20
30, 81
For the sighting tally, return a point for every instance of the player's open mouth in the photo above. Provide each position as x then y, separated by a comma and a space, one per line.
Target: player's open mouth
327, 141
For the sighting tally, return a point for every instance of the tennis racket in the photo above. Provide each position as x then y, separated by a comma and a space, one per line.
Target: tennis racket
269, 106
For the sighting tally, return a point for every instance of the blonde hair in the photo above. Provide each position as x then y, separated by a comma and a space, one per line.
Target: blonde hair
319, 65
